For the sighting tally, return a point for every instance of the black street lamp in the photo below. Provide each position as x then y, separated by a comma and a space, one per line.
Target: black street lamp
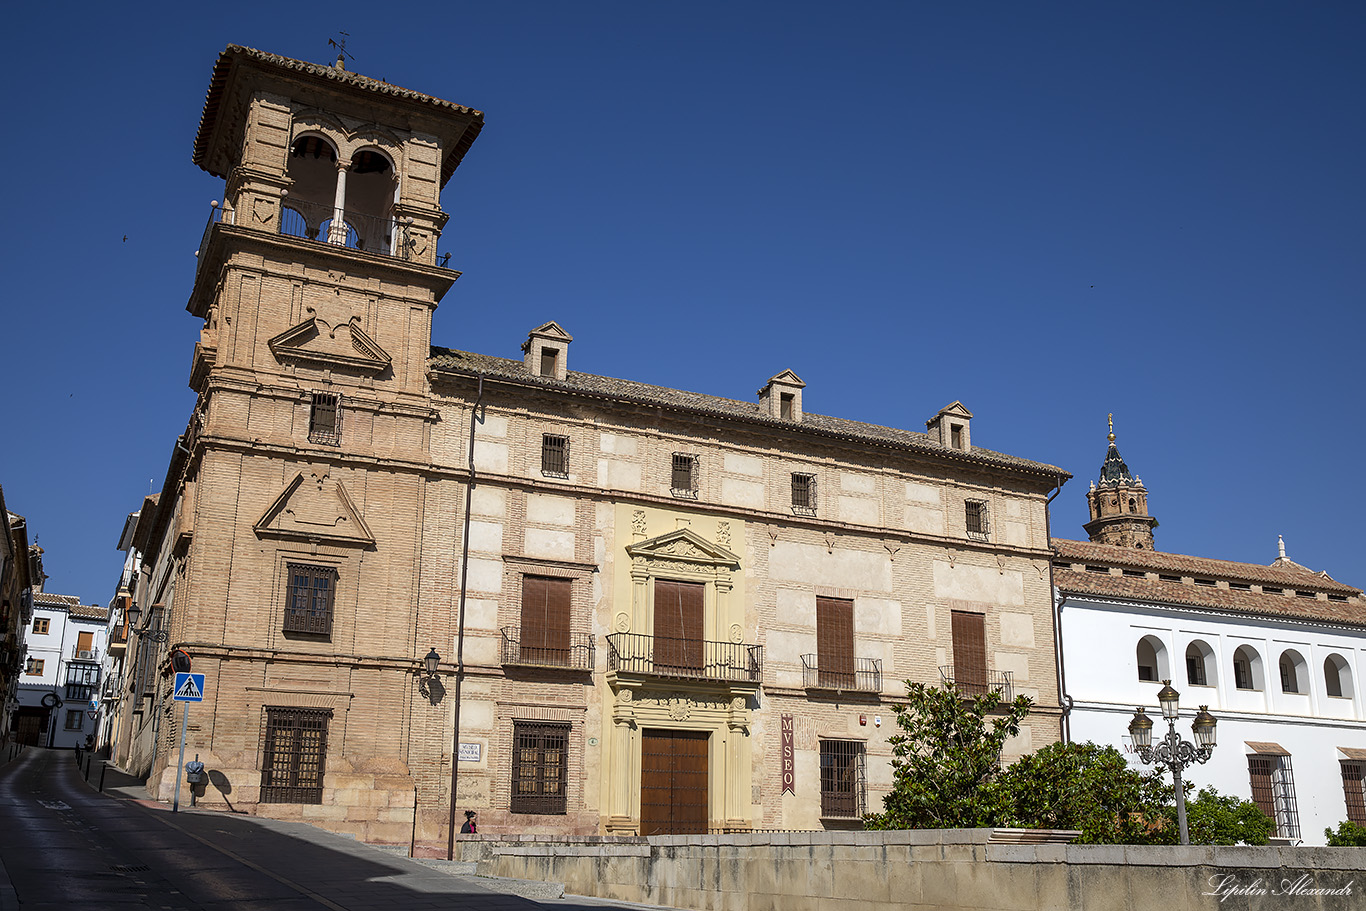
1172, 751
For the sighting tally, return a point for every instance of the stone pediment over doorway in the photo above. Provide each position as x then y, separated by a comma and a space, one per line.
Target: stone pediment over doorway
684, 546
314, 507
342, 345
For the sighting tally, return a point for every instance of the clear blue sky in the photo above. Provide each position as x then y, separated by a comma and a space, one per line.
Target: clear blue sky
1049, 211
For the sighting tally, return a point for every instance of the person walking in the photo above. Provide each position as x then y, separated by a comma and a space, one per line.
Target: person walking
470, 827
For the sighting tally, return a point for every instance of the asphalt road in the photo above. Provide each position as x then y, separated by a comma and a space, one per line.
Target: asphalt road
63, 845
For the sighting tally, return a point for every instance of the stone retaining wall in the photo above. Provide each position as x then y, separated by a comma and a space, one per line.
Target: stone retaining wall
941, 869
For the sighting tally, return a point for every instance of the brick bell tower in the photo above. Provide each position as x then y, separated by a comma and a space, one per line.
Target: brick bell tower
1119, 504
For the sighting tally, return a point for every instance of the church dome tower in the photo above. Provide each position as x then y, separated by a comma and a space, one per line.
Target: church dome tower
1119, 504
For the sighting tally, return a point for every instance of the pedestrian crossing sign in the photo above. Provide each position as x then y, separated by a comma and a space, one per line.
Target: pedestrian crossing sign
188, 687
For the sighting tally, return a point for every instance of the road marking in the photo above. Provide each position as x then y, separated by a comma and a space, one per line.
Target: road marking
55, 804
304, 890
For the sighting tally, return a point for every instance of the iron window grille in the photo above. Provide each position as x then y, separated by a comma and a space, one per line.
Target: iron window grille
843, 791
803, 494
683, 479
1195, 670
977, 518
1242, 673
555, 455
294, 755
1273, 791
540, 753
324, 419
311, 597
1353, 773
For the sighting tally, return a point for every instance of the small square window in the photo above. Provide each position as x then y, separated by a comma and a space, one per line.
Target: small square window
75, 719
555, 455
40, 625
33, 667
548, 358
804, 494
684, 475
324, 419
978, 521
310, 599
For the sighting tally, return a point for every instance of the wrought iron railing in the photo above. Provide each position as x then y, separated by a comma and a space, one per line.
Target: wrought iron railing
972, 682
387, 234
637, 653
577, 653
215, 216
864, 675
84, 654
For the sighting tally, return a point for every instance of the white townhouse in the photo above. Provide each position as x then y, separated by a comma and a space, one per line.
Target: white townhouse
59, 685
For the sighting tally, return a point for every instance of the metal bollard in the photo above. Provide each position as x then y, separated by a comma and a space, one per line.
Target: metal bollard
104, 768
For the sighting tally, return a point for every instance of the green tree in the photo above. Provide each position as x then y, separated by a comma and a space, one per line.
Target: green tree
1348, 835
948, 749
1087, 787
1216, 819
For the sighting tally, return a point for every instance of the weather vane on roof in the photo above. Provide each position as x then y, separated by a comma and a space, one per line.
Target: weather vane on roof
1111, 417
341, 50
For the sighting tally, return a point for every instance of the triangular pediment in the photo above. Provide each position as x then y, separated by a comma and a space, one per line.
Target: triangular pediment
314, 507
957, 409
685, 545
345, 344
553, 330
787, 378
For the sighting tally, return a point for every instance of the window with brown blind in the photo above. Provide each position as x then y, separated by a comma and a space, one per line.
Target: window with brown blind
683, 479
803, 494
1353, 775
970, 653
544, 637
310, 599
678, 626
555, 455
540, 757
835, 643
1273, 791
294, 754
324, 419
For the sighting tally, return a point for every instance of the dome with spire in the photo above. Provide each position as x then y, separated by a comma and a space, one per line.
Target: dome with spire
1119, 503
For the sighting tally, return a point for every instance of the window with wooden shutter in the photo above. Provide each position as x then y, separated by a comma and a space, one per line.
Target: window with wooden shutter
1273, 791
555, 455
678, 626
842, 779
835, 643
1353, 774
310, 599
540, 759
293, 754
324, 419
970, 653
545, 621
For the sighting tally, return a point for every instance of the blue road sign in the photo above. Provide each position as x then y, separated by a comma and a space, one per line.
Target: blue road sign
188, 687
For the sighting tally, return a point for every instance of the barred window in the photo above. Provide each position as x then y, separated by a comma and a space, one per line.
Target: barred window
842, 779
293, 755
312, 593
1353, 772
1273, 791
75, 719
684, 475
324, 419
978, 521
804, 494
540, 754
555, 455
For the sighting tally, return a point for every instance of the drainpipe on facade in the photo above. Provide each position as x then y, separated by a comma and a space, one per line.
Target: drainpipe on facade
460, 625
1064, 700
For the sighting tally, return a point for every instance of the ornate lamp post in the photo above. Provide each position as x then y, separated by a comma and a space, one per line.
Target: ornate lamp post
1172, 751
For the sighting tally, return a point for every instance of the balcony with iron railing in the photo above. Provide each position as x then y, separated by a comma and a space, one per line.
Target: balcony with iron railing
386, 235
84, 654
576, 651
861, 675
977, 682
695, 659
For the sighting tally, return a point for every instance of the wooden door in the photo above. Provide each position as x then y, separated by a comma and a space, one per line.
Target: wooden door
678, 627
673, 782
30, 726
835, 642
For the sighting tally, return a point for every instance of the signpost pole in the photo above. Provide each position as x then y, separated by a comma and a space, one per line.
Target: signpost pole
184, 723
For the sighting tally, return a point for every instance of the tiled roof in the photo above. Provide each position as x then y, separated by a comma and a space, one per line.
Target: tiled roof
1156, 561
90, 612
56, 599
224, 65
448, 360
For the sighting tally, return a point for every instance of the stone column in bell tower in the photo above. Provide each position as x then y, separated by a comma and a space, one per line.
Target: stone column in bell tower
1119, 504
